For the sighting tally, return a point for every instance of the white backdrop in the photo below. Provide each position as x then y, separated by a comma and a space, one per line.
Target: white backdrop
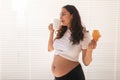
24, 35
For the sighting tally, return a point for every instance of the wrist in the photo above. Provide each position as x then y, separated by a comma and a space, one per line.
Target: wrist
52, 31
89, 49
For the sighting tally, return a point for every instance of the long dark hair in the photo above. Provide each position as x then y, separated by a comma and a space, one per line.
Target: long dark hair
76, 27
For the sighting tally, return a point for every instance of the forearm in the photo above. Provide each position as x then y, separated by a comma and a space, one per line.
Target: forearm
50, 41
88, 57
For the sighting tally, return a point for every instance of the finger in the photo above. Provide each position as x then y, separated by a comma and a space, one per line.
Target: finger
90, 45
94, 44
51, 24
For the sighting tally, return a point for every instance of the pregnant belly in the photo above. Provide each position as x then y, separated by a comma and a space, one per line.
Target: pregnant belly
62, 66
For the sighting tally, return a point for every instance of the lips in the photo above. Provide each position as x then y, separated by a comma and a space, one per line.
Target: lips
62, 21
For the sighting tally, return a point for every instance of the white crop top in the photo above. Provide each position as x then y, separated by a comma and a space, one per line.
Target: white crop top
64, 47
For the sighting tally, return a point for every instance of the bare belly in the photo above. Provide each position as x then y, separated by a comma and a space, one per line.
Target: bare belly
62, 66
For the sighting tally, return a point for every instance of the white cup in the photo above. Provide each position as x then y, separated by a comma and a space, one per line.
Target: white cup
56, 24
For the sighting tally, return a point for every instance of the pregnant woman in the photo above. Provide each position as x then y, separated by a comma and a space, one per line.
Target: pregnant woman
71, 39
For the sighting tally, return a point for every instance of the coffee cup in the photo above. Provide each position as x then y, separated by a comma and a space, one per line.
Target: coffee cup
56, 24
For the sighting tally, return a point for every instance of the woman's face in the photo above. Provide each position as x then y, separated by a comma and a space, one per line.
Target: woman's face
65, 17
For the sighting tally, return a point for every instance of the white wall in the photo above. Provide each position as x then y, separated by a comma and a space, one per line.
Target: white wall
24, 35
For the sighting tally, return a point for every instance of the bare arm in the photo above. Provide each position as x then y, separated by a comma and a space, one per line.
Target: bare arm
87, 53
51, 36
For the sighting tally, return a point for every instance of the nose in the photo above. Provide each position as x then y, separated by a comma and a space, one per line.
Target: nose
60, 18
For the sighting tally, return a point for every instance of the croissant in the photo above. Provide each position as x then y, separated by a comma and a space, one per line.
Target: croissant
96, 35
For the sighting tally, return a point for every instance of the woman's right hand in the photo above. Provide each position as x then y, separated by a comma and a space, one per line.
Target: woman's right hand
51, 37
50, 27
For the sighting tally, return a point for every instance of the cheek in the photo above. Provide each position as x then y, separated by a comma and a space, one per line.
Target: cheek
68, 20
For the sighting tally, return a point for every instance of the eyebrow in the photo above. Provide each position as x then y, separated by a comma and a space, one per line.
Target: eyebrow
64, 12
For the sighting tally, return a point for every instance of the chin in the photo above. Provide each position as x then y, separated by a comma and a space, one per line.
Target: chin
64, 24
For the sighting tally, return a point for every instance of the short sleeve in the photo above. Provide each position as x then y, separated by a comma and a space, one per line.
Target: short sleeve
86, 40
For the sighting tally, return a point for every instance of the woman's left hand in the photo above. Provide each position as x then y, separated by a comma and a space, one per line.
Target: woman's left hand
92, 44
